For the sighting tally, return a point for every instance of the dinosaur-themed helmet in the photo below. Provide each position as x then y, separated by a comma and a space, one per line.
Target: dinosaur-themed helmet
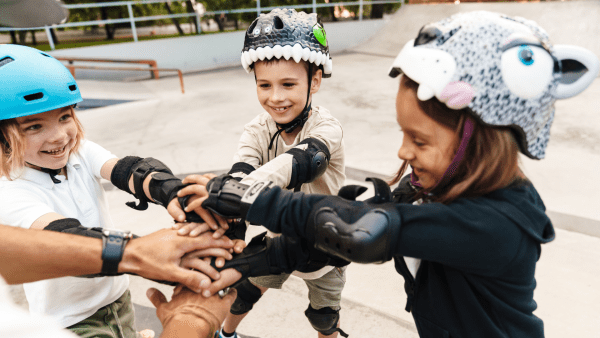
285, 33
33, 82
502, 69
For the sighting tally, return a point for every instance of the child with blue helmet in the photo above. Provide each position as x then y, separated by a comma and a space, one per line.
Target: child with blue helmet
50, 180
465, 228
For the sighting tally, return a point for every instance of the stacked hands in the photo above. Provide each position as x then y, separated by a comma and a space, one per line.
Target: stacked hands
213, 229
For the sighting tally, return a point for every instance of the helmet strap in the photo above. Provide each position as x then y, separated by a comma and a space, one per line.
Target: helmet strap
468, 128
51, 172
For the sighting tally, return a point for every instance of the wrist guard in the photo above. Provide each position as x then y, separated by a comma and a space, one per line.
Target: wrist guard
229, 198
140, 169
270, 256
164, 188
255, 260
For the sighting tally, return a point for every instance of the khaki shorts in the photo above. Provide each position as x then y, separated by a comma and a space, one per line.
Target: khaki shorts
115, 320
325, 291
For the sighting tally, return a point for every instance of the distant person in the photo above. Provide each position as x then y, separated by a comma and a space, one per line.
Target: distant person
51, 181
465, 228
295, 145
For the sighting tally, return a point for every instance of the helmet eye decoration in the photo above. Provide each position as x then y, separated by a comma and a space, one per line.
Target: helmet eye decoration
319, 34
286, 33
526, 55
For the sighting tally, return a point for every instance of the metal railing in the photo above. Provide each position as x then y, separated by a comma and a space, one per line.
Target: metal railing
132, 19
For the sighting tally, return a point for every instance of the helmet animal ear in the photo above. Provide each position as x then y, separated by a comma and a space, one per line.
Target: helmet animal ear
579, 68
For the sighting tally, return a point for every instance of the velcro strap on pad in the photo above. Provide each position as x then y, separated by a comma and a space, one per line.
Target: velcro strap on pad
121, 172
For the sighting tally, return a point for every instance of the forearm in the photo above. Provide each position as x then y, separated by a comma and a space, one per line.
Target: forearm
282, 211
32, 255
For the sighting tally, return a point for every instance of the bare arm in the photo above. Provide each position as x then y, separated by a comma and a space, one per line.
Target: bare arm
28, 255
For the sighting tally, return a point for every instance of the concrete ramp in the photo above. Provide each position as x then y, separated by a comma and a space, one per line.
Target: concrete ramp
567, 22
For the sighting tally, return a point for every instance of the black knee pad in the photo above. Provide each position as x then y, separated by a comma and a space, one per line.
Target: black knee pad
247, 295
324, 320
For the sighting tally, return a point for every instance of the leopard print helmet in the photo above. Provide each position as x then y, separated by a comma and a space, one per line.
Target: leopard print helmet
504, 70
285, 33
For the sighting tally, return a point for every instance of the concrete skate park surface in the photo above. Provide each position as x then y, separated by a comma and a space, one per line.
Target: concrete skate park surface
198, 132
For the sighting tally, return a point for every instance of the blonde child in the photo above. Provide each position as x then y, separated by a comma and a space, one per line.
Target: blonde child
51, 181
465, 228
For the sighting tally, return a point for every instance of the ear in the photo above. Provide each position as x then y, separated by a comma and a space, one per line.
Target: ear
579, 68
316, 81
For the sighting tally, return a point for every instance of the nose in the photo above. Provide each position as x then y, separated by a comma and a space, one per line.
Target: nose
277, 94
58, 133
405, 153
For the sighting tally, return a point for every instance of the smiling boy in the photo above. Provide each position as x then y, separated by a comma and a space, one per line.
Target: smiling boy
292, 144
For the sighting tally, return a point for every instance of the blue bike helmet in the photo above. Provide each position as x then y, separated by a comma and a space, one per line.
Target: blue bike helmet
33, 82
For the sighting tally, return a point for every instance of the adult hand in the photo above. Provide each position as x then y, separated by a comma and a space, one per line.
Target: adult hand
190, 313
159, 256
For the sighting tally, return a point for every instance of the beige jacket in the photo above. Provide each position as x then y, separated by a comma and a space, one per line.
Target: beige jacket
275, 165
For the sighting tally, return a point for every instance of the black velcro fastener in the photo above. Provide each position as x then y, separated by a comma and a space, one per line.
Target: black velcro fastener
241, 167
301, 167
121, 172
73, 226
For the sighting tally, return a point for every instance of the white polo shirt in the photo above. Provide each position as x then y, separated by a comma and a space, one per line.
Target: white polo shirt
23, 200
18, 323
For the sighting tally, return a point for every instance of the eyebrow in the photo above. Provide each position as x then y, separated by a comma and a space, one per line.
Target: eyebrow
31, 119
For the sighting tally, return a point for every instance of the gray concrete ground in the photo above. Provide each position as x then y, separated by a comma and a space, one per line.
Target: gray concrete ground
198, 132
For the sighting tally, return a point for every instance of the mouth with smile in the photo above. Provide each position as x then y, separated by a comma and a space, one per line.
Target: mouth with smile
57, 152
281, 110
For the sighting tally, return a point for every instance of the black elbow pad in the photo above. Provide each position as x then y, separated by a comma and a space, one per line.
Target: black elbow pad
370, 238
308, 164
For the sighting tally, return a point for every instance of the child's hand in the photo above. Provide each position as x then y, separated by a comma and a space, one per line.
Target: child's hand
198, 193
191, 229
238, 246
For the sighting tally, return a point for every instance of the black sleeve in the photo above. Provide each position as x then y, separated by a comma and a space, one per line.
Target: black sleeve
478, 235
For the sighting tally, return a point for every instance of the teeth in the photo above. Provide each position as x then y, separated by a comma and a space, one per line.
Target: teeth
297, 52
268, 53
319, 58
248, 58
312, 57
324, 59
253, 55
328, 68
287, 52
305, 54
277, 51
425, 92
244, 63
260, 52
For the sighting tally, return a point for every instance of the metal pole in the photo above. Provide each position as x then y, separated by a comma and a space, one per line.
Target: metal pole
314, 6
50, 40
257, 8
360, 10
133, 30
198, 23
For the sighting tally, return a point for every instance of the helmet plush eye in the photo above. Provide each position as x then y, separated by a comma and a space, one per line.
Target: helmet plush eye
256, 31
525, 76
268, 29
526, 55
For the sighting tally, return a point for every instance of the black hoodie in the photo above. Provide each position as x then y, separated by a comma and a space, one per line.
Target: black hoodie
476, 277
